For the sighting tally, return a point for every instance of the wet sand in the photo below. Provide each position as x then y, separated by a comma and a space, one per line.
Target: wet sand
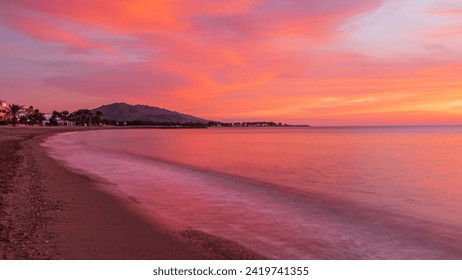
49, 212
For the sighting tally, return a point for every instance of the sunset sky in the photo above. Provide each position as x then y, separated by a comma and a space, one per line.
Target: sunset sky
329, 62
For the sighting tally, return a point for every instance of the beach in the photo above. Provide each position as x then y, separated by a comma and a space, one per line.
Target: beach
224, 193
50, 212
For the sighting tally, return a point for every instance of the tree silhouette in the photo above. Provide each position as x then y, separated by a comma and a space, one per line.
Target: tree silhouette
12, 112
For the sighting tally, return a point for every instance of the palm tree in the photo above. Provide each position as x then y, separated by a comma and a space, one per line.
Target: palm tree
98, 118
88, 115
38, 117
65, 115
13, 111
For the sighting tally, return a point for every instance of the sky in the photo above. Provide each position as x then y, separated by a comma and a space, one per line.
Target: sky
329, 62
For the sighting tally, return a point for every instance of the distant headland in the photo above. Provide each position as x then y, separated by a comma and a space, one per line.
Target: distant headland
117, 114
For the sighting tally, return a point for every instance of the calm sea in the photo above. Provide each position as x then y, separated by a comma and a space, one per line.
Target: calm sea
290, 193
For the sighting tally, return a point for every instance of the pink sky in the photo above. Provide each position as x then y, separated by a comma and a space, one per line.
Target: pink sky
330, 62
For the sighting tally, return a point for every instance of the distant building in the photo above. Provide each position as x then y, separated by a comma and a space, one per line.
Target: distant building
3, 108
25, 112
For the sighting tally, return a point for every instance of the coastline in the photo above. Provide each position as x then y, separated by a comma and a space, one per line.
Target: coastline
50, 212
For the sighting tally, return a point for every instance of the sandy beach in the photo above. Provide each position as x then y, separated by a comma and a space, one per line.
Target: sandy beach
49, 212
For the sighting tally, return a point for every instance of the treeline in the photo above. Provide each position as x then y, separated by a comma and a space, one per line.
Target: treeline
82, 117
33, 116
16, 114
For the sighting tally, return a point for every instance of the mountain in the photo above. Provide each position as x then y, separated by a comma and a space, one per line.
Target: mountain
122, 112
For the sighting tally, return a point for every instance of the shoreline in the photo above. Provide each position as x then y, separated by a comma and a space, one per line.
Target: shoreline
50, 212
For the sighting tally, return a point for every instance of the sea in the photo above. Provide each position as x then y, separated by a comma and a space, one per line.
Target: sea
289, 192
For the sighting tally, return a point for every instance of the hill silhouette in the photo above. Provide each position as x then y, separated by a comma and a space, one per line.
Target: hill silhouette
123, 112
